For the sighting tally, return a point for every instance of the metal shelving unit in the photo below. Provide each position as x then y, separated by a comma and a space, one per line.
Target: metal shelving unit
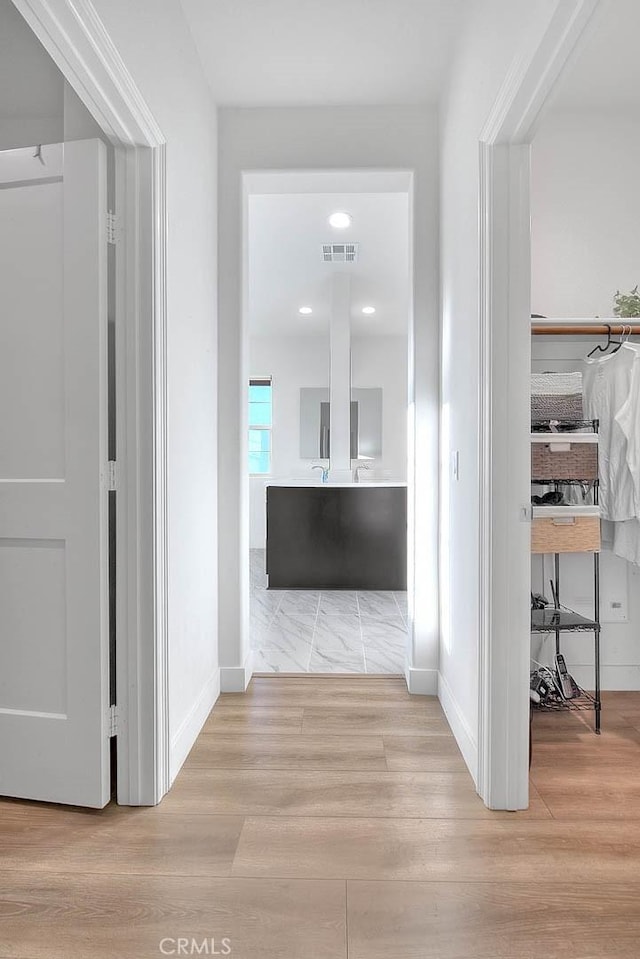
559, 619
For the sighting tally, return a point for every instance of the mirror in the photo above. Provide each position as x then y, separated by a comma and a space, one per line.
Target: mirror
366, 423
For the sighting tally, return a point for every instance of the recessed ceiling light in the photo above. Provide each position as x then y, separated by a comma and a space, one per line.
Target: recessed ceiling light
340, 220
368, 310
305, 310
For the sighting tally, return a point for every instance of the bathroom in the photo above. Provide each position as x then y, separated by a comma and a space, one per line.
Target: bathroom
328, 305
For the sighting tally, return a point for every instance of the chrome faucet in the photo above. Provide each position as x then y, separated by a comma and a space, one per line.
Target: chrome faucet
356, 472
325, 473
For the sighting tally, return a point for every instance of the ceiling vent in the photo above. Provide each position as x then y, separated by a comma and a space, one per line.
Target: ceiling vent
340, 252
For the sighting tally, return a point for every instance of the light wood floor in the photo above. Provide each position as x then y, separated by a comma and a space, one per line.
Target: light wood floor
326, 818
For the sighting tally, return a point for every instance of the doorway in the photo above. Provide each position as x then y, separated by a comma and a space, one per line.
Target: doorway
328, 350
505, 453
583, 203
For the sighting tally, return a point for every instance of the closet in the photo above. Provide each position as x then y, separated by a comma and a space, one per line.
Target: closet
585, 544
585, 473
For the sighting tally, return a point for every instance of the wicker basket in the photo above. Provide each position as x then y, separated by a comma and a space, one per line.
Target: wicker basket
553, 462
565, 534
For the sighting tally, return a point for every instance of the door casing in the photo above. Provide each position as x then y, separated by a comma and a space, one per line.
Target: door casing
504, 414
77, 41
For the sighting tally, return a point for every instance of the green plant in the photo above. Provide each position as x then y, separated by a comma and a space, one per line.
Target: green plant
627, 304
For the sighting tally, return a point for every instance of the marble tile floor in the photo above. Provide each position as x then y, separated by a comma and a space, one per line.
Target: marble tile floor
325, 631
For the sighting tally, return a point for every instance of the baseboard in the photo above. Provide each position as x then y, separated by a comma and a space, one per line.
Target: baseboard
459, 726
421, 682
192, 724
611, 677
235, 679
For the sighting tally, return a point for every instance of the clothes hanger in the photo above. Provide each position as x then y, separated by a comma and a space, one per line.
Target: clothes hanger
626, 333
621, 342
609, 343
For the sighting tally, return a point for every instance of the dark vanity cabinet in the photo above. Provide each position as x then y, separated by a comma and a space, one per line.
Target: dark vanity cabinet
337, 537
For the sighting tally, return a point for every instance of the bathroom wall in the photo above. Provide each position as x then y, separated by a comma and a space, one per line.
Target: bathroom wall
297, 361
585, 210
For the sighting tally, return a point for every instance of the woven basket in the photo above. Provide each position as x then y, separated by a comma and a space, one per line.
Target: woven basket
563, 407
575, 534
579, 462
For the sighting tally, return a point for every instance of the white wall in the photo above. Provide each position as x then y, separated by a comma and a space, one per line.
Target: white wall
585, 208
585, 242
315, 139
37, 105
493, 36
31, 86
303, 361
155, 43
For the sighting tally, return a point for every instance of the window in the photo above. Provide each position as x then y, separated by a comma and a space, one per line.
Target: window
260, 425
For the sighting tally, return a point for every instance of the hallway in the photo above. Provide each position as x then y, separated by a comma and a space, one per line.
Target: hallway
326, 818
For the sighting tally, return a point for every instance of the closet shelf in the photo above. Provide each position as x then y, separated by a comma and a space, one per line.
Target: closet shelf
567, 512
567, 448
562, 426
583, 701
553, 439
553, 480
551, 620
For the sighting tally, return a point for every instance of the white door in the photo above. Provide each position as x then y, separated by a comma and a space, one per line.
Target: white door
54, 659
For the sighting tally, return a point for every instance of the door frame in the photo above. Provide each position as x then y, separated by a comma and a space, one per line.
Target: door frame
78, 42
504, 413
282, 181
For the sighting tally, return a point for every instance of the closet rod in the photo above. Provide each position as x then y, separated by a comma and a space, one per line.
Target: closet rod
585, 329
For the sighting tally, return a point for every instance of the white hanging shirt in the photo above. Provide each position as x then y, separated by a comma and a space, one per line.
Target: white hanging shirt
626, 540
628, 422
607, 385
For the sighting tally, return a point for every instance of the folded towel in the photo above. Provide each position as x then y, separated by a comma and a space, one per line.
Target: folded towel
564, 384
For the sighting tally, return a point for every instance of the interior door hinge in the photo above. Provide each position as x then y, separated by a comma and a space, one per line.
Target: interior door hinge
112, 478
112, 227
113, 721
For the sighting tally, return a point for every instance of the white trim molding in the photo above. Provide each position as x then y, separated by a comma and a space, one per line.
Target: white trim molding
74, 36
235, 679
459, 725
503, 425
421, 682
191, 726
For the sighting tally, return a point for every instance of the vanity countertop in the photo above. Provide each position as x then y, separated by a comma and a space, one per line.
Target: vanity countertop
363, 484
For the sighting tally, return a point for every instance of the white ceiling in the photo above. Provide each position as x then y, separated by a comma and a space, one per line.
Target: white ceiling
300, 52
286, 269
605, 70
